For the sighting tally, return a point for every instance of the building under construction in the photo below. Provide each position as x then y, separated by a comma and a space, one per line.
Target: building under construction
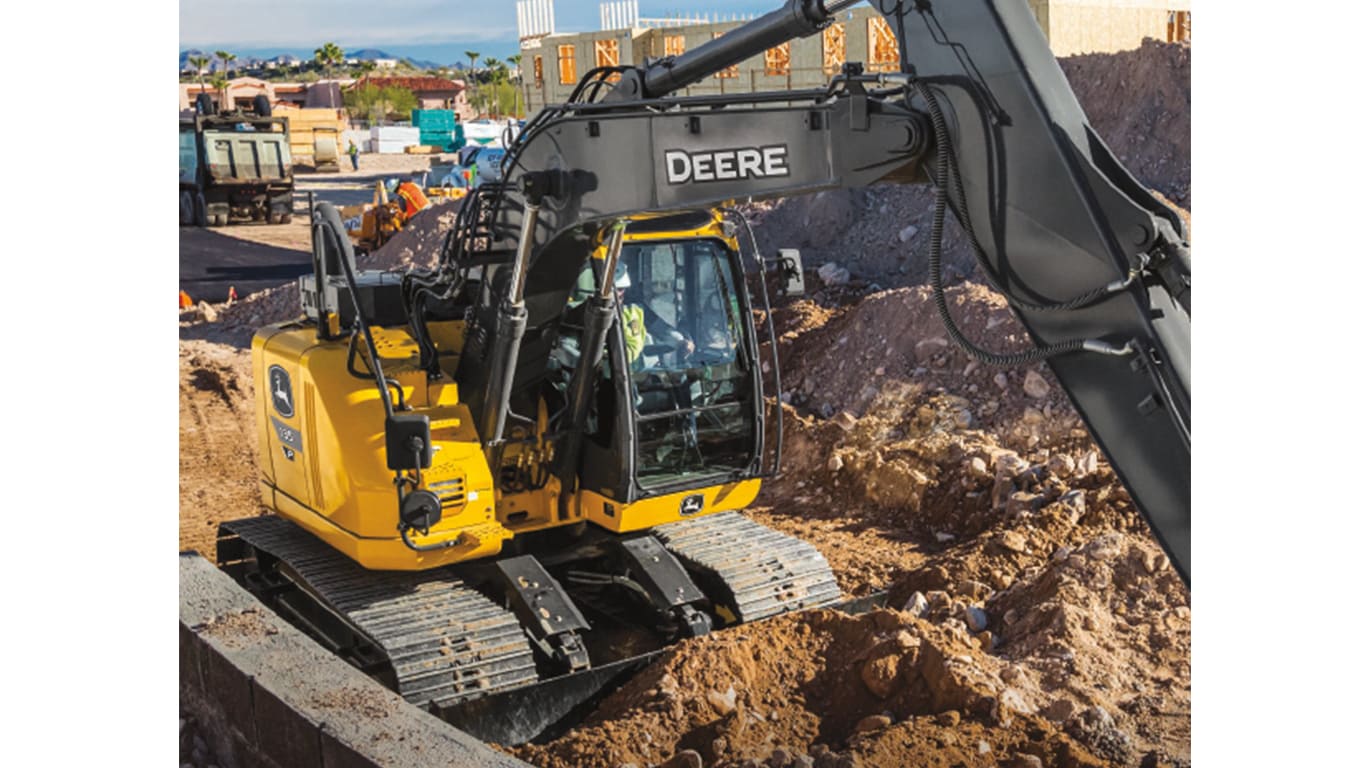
553, 62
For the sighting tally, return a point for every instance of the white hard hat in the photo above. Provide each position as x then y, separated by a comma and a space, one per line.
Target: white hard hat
622, 278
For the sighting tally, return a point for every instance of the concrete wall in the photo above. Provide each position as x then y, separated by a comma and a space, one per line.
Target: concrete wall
267, 696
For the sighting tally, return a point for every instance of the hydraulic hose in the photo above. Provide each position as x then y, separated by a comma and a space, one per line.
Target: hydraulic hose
941, 184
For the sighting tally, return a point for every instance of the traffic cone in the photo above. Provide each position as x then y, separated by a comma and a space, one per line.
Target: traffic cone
185, 301
232, 294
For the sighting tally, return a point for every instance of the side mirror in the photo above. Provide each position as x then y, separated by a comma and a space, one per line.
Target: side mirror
408, 441
790, 268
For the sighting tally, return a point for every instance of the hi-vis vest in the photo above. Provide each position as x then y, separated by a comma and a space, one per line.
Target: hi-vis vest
412, 197
633, 329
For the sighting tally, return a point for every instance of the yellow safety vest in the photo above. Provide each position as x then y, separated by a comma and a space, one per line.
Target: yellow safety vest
633, 328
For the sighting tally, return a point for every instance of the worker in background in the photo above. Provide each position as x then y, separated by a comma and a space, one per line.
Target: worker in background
354, 152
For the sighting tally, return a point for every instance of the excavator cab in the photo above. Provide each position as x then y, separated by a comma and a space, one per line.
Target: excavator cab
685, 412
692, 376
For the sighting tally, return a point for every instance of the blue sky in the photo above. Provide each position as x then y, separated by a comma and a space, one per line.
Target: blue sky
436, 30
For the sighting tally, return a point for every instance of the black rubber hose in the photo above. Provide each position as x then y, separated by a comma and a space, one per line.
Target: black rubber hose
936, 244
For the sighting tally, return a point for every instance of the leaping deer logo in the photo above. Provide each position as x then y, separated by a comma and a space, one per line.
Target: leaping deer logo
280, 391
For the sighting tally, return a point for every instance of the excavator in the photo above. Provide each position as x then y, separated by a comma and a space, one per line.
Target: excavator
503, 484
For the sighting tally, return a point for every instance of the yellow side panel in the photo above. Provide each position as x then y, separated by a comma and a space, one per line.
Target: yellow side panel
659, 510
323, 457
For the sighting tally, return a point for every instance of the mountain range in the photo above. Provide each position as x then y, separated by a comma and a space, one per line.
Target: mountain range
254, 62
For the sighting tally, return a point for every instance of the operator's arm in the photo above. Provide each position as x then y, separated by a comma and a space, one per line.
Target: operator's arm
661, 331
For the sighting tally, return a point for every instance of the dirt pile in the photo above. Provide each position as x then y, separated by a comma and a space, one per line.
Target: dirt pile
1139, 101
825, 689
217, 442
1000, 531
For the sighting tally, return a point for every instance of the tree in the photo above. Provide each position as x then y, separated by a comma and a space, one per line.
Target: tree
199, 63
516, 62
473, 56
373, 103
220, 84
226, 58
327, 56
496, 76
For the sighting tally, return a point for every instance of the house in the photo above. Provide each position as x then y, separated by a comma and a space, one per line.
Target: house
242, 90
431, 92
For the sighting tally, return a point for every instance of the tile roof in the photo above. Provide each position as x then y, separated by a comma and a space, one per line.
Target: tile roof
414, 84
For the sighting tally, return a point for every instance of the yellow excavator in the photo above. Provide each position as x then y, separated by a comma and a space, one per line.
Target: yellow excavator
603, 525
502, 484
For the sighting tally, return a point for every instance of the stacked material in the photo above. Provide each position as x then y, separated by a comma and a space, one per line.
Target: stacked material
489, 133
437, 128
303, 123
392, 139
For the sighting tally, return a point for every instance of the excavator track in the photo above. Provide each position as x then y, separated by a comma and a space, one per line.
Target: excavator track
765, 572
445, 641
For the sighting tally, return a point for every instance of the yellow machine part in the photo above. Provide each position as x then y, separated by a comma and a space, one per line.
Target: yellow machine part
647, 513
323, 458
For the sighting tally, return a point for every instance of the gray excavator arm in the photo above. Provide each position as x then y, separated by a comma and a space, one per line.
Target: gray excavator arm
1095, 267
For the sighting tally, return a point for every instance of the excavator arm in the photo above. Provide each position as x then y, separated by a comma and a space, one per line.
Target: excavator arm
1095, 267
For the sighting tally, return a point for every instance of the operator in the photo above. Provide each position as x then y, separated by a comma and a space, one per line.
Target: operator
641, 325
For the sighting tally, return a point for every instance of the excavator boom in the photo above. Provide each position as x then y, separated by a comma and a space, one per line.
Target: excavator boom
1096, 268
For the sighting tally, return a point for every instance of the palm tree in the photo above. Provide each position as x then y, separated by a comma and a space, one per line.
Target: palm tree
226, 58
495, 69
220, 84
516, 62
199, 63
327, 56
473, 56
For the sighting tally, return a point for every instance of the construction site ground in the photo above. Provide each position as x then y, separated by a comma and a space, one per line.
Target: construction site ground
1032, 619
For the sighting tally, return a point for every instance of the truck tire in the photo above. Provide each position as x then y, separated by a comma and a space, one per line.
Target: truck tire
201, 210
261, 105
186, 208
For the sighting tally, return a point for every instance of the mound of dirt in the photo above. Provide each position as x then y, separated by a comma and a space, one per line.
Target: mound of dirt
823, 688
217, 442
1139, 101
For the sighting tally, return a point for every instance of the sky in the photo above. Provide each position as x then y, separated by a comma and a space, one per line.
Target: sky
434, 30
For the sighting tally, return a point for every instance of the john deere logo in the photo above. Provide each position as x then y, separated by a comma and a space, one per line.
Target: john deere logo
682, 167
691, 505
281, 395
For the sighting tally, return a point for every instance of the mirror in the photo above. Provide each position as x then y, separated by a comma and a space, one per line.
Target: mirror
790, 267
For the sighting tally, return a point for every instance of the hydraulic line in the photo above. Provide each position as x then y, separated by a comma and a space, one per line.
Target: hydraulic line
941, 182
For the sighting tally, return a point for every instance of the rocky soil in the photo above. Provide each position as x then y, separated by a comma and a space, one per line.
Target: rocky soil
1031, 621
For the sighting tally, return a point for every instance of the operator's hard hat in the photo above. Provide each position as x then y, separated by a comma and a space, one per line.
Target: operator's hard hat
622, 278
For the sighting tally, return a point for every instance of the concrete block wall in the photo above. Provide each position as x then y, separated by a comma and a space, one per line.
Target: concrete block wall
267, 696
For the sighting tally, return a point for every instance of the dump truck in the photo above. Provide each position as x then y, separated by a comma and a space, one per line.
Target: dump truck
235, 166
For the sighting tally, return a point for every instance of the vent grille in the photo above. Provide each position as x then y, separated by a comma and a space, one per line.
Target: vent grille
451, 492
